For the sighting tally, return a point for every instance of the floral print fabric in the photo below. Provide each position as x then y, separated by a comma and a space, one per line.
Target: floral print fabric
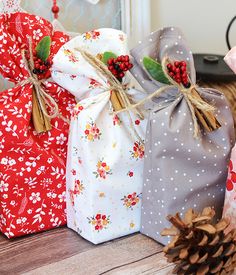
32, 166
105, 157
230, 196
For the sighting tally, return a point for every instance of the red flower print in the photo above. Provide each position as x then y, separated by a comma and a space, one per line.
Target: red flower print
71, 56
72, 76
102, 170
98, 216
116, 120
231, 177
130, 174
76, 110
138, 150
73, 172
229, 185
131, 200
99, 221
137, 121
94, 84
78, 190
92, 132
92, 35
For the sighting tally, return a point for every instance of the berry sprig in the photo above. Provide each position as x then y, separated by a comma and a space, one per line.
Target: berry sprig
118, 66
41, 68
41, 58
178, 71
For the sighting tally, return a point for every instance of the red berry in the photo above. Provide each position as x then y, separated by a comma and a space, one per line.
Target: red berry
130, 66
119, 59
177, 70
121, 75
110, 61
169, 66
176, 63
122, 66
48, 74
137, 121
110, 68
104, 217
183, 63
126, 58
96, 227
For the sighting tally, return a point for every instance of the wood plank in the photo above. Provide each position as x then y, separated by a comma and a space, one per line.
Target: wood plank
103, 258
155, 264
26, 253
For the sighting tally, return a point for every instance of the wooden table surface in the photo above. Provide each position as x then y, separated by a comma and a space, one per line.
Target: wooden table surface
61, 251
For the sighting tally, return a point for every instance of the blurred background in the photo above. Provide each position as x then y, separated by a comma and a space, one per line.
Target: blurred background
203, 22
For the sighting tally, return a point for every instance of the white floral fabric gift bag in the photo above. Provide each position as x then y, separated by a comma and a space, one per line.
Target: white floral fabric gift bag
106, 150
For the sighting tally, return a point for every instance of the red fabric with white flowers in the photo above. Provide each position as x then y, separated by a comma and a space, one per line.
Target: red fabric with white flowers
32, 166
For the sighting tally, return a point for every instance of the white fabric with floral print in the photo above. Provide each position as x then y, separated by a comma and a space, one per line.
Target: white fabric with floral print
105, 156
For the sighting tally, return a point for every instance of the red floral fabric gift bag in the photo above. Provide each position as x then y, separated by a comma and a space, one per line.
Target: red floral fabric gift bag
32, 165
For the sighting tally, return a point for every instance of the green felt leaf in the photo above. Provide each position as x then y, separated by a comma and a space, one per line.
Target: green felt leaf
107, 55
43, 48
155, 70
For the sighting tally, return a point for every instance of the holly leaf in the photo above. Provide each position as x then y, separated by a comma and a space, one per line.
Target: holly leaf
107, 55
43, 48
155, 70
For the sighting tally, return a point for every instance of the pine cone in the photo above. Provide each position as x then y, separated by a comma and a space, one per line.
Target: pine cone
199, 247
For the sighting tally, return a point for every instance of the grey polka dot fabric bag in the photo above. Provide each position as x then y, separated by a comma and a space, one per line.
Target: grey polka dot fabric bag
180, 171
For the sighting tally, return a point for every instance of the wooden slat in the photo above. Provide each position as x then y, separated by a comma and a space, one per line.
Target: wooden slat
104, 258
26, 253
155, 264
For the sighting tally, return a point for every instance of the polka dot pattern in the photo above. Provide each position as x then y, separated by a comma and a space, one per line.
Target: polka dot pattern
182, 172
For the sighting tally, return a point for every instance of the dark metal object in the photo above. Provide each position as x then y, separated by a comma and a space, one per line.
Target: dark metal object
212, 68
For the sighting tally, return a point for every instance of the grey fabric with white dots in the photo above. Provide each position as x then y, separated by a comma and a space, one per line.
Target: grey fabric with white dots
180, 172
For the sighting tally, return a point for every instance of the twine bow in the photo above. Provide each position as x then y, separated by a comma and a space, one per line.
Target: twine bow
40, 98
201, 111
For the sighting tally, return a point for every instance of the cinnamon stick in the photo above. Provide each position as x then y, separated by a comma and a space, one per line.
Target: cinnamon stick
116, 103
205, 118
40, 121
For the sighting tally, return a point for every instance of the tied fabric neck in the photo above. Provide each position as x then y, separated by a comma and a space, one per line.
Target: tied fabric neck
40, 98
202, 112
119, 98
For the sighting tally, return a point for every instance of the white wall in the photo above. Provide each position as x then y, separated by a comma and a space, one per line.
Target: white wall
203, 22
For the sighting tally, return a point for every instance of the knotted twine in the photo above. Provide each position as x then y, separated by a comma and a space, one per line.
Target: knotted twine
114, 86
201, 111
41, 99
